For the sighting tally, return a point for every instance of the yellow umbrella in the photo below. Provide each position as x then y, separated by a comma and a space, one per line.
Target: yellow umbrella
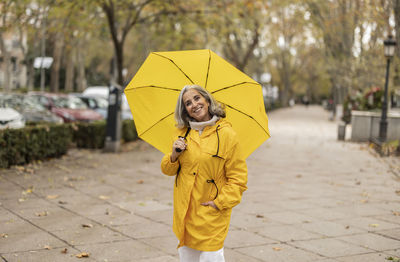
153, 92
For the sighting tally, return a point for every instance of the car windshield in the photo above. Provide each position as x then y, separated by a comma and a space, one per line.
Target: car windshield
69, 102
20, 103
102, 103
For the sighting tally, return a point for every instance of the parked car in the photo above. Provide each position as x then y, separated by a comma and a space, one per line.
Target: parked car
31, 110
9, 118
103, 91
68, 107
98, 104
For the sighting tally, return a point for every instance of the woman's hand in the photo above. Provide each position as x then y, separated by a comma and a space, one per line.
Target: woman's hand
179, 143
210, 203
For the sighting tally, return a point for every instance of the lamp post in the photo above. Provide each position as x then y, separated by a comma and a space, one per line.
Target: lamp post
390, 45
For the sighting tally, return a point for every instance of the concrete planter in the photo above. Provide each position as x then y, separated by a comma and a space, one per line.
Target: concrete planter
365, 125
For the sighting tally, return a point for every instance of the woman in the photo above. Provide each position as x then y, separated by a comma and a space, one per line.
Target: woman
211, 175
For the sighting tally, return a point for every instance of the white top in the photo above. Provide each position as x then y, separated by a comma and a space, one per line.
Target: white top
199, 126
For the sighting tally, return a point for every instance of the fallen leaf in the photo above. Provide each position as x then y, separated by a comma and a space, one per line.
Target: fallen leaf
347, 227
299, 176
28, 191
83, 254
47, 247
4, 235
358, 183
140, 181
42, 214
277, 248
21, 200
62, 202
142, 204
52, 196
396, 213
87, 225
398, 192
364, 200
104, 197
259, 216
374, 225
64, 251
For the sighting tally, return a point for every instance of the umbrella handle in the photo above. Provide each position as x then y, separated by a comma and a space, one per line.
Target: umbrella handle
178, 150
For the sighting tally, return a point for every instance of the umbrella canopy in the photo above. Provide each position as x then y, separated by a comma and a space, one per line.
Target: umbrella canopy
153, 92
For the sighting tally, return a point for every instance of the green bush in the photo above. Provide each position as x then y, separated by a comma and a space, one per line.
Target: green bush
89, 135
21, 146
129, 132
42, 141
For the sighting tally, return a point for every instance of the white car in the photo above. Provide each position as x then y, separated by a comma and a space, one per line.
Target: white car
103, 91
9, 118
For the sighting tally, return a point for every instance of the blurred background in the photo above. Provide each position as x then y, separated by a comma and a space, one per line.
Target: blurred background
311, 52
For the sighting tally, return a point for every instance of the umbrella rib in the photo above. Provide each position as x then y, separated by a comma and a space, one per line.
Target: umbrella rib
208, 68
176, 66
160, 87
156, 123
227, 87
247, 116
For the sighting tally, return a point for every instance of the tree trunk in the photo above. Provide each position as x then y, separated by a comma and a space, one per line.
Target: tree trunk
6, 65
69, 74
55, 69
81, 79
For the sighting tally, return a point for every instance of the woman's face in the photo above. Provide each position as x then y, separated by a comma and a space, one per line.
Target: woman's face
196, 105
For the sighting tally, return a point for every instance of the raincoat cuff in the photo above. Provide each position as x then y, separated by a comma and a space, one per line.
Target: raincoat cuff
176, 163
218, 204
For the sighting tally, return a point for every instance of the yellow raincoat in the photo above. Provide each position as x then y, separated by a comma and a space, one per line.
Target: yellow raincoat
211, 168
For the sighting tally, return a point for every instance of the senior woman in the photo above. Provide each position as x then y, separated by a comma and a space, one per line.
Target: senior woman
210, 175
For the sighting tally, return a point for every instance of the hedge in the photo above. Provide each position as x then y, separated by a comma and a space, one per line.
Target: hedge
22, 146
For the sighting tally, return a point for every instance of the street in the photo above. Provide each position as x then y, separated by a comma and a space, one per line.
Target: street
310, 197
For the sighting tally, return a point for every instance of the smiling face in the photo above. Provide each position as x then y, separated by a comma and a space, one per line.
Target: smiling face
196, 105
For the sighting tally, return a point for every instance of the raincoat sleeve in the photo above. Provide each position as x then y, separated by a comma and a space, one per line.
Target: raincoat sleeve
236, 184
167, 167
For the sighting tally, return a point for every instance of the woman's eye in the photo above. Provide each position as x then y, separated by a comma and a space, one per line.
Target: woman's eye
196, 98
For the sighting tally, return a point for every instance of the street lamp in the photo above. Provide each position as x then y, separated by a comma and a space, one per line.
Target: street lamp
390, 45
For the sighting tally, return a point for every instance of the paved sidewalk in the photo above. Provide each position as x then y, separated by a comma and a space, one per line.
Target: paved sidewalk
310, 198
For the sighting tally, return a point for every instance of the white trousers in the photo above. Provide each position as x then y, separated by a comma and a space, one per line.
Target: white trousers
187, 254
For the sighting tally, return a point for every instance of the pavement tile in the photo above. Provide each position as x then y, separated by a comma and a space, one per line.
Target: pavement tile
147, 229
324, 213
17, 226
290, 217
159, 259
330, 247
26, 202
93, 210
246, 221
328, 228
52, 255
367, 223
371, 257
357, 210
287, 233
144, 206
118, 219
240, 238
392, 233
231, 255
168, 244
278, 253
390, 217
28, 241
80, 235
162, 216
372, 241
53, 222
121, 251
35, 212
56, 192
6, 216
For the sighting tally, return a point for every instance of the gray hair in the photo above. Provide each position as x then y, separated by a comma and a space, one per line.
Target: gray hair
182, 117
